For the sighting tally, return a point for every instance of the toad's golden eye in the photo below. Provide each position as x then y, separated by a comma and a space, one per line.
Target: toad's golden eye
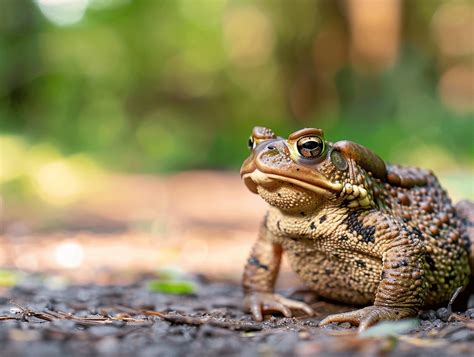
310, 147
251, 143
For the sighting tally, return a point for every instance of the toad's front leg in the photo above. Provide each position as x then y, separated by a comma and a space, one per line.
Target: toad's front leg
402, 287
259, 278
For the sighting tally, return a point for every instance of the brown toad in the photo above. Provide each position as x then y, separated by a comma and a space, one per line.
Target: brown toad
355, 229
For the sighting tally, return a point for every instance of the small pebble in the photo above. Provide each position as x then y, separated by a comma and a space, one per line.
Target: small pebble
462, 335
470, 313
443, 314
428, 315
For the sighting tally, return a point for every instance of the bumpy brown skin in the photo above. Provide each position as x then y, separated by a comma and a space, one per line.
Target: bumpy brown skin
354, 229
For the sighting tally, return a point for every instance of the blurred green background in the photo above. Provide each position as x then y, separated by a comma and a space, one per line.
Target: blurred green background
160, 86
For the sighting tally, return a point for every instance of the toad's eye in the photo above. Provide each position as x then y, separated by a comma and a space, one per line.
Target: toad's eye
251, 143
310, 147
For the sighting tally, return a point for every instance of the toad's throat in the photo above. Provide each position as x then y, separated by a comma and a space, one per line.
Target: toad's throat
257, 177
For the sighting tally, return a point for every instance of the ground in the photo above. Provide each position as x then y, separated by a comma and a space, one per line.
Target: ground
38, 320
91, 279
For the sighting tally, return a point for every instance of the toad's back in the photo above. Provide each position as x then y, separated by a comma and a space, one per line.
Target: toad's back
416, 197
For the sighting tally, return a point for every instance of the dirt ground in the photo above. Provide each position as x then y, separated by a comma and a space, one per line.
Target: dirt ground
83, 272
116, 320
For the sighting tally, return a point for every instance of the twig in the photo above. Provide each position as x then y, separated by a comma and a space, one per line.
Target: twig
25, 311
4, 318
453, 298
198, 321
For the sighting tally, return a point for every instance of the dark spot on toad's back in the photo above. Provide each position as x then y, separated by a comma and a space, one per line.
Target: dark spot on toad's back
417, 231
430, 261
353, 223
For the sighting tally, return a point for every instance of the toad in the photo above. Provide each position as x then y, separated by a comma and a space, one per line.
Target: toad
354, 229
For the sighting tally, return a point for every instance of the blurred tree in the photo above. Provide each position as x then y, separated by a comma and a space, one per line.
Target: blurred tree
178, 84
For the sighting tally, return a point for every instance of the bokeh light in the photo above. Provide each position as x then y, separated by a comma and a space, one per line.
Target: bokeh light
63, 12
69, 254
456, 88
64, 181
249, 36
453, 26
13, 151
375, 32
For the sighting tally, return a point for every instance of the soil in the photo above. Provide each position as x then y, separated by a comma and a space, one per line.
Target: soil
120, 320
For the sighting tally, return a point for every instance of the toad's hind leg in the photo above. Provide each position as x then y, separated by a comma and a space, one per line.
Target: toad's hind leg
402, 289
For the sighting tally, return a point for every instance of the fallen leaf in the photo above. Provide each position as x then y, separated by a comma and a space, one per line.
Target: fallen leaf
8, 278
179, 287
390, 328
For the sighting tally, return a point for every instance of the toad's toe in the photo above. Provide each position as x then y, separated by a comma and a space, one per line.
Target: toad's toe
369, 316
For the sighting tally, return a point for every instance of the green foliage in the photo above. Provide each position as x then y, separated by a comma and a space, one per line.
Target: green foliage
179, 287
162, 86
172, 280
8, 278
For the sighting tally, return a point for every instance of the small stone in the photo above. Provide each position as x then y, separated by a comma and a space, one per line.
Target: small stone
119, 323
470, 313
428, 315
108, 345
462, 335
443, 314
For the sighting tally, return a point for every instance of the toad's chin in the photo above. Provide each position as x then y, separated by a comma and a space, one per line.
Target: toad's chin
285, 193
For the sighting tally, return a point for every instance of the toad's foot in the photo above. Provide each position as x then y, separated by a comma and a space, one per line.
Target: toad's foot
258, 303
370, 315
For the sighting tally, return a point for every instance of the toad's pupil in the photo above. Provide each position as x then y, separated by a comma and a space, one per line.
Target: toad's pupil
310, 145
250, 143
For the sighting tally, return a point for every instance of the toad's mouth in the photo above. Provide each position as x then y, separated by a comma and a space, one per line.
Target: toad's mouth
268, 180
